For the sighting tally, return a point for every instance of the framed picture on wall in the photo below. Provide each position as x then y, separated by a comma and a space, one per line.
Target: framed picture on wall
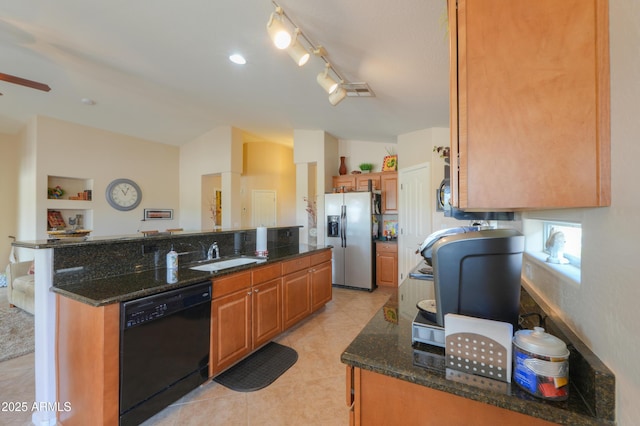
153, 214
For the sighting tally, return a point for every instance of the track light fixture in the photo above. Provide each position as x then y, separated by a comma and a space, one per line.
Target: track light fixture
291, 41
277, 31
325, 80
297, 51
337, 96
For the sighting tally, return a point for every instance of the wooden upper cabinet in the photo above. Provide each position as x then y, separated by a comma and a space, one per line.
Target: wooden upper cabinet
389, 184
530, 103
362, 181
346, 181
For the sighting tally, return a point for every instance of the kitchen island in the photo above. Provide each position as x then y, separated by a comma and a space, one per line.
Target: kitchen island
390, 380
80, 285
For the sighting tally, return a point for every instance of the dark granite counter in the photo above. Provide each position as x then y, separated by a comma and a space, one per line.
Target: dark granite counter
120, 288
384, 346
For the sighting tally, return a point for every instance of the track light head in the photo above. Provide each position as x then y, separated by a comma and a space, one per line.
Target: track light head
277, 31
337, 96
326, 82
297, 51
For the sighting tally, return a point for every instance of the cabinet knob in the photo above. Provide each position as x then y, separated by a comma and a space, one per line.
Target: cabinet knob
256, 290
249, 294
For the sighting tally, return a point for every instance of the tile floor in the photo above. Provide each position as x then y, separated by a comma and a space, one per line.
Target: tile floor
312, 392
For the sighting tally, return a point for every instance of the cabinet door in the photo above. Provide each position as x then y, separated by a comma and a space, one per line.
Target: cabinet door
321, 289
267, 317
346, 181
231, 329
387, 265
362, 181
409, 402
295, 295
530, 103
389, 182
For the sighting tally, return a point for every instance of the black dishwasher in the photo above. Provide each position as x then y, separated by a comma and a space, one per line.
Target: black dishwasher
164, 349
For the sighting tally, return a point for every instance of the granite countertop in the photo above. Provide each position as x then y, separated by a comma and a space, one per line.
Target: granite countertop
116, 289
385, 346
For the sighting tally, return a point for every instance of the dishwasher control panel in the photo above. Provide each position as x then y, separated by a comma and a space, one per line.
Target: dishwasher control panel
154, 307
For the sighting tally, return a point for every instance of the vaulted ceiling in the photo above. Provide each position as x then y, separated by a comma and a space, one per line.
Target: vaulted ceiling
159, 70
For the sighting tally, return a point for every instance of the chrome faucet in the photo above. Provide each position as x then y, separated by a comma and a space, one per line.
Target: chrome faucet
214, 247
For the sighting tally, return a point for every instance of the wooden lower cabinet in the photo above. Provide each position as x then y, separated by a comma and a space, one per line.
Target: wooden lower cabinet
231, 330
376, 399
306, 286
321, 289
387, 264
87, 362
245, 319
296, 300
267, 306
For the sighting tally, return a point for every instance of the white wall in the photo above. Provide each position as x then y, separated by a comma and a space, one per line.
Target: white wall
66, 149
217, 151
603, 309
9, 148
357, 152
313, 152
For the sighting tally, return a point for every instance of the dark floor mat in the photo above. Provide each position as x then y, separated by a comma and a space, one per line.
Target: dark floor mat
260, 369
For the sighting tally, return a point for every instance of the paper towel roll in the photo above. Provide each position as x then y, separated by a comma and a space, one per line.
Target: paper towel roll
261, 240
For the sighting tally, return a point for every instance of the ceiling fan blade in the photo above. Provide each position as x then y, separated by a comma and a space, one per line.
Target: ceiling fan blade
24, 82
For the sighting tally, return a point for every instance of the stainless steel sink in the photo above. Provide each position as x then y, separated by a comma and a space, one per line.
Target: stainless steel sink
226, 264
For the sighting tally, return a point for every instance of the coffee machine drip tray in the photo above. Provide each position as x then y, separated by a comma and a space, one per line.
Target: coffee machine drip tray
425, 331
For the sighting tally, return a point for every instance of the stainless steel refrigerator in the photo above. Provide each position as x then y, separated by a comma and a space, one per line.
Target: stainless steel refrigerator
349, 219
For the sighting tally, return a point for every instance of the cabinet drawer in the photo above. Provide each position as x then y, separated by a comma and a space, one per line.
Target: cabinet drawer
320, 257
387, 247
266, 273
296, 264
231, 283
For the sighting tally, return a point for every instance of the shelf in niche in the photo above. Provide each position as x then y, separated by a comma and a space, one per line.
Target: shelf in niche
80, 188
66, 213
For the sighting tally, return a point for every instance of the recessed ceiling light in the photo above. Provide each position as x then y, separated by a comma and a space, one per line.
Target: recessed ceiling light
237, 58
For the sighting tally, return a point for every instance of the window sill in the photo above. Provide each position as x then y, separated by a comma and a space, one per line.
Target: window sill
567, 271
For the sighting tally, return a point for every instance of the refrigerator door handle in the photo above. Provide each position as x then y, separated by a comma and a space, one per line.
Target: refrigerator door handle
343, 226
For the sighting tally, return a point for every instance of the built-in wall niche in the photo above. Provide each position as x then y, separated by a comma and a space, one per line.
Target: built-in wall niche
69, 219
69, 203
68, 188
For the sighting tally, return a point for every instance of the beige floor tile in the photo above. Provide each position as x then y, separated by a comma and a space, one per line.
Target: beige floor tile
311, 392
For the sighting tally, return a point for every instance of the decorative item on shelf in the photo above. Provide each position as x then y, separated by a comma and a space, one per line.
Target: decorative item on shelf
366, 167
555, 246
55, 193
390, 229
356, 172
444, 152
343, 167
390, 162
84, 196
69, 233
55, 220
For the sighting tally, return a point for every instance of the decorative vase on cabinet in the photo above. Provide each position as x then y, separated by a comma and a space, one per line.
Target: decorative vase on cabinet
343, 167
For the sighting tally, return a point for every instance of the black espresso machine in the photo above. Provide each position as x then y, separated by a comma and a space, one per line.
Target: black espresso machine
476, 272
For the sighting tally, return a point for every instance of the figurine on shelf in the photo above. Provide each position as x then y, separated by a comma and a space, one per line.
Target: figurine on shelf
56, 192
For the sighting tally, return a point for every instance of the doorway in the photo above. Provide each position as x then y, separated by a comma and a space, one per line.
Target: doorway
211, 215
414, 215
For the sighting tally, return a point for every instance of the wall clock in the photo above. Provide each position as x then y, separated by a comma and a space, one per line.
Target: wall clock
124, 194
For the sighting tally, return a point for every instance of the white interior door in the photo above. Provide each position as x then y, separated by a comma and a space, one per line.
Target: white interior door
414, 215
263, 207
